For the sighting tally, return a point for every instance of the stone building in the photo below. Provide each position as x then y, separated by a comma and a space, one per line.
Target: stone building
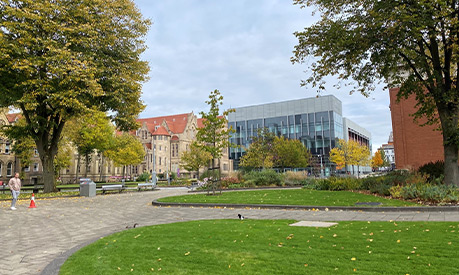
165, 138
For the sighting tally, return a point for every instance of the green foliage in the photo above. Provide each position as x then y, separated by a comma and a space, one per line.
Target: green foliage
59, 59
143, 177
290, 153
231, 182
210, 174
260, 152
295, 178
214, 136
266, 177
406, 44
434, 170
430, 193
126, 150
195, 158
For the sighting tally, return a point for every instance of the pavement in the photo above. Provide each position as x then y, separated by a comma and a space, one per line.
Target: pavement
39, 240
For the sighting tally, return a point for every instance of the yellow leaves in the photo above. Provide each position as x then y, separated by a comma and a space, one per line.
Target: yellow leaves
289, 237
353, 259
188, 253
135, 237
398, 241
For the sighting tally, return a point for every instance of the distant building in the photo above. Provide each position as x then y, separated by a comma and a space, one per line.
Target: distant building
389, 151
317, 122
165, 138
414, 145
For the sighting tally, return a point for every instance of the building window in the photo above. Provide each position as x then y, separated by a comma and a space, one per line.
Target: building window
35, 152
225, 167
9, 169
7, 148
1, 168
27, 168
159, 160
35, 167
160, 147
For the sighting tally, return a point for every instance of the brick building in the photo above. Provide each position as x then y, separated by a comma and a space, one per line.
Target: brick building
414, 145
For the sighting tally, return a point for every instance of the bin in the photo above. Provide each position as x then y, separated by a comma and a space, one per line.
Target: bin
87, 187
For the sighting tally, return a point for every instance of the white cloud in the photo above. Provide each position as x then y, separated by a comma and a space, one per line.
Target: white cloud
242, 48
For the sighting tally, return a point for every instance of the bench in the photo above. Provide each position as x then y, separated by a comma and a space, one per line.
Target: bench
4, 187
112, 187
146, 185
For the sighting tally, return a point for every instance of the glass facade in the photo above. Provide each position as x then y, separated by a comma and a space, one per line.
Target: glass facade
317, 131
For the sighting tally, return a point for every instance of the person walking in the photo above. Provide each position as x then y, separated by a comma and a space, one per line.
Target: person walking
15, 186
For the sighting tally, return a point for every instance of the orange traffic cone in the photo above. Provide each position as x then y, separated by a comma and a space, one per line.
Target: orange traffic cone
32, 201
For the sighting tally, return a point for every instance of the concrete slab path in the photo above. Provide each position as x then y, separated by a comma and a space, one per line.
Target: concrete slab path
31, 239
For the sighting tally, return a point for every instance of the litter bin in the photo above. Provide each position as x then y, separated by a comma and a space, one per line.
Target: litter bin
87, 187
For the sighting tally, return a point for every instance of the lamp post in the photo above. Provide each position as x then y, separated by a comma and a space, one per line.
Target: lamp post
321, 166
153, 173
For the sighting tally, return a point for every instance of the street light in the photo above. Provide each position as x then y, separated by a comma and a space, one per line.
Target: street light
153, 174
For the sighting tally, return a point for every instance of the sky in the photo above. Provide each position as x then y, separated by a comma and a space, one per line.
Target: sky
243, 49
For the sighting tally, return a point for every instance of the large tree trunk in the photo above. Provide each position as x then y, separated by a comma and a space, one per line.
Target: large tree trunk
449, 123
451, 167
48, 173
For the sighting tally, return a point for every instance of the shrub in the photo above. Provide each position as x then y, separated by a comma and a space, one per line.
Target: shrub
209, 174
263, 178
144, 177
396, 191
346, 183
295, 178
226, 182
434, 170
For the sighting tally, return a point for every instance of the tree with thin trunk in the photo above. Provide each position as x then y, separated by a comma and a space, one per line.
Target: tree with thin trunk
214, 136
408, 44
195, 158
59, 59
125, 150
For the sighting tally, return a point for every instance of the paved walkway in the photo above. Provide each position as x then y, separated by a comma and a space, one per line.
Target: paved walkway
31, 239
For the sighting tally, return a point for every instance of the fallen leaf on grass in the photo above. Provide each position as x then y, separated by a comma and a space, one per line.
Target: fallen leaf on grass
188, 253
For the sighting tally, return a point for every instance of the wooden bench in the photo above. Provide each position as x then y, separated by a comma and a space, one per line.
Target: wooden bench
146, 185
112, 187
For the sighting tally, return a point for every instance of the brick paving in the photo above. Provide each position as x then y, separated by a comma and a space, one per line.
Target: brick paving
31, 239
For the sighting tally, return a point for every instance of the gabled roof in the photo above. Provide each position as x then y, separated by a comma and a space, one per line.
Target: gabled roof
161, 131
13, 117
175, 123
148, 145
174, 137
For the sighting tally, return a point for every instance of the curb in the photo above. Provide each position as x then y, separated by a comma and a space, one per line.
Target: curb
311, 207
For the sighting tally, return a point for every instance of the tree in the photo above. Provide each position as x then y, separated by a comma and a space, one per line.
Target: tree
59, 59
89, 133
410, 44
377, 161
214, 136
290, 153
385, 159
260, 152
126, 150
362, 157
349, 153
195, 158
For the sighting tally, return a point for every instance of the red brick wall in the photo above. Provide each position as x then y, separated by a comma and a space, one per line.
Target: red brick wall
414, 145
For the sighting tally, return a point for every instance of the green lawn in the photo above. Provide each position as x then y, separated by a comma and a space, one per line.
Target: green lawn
273, 247
288, 197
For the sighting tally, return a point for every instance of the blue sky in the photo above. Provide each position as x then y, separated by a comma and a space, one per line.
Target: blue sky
243, 49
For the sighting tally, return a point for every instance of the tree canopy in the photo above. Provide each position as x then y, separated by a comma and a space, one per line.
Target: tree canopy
349, 153
413, 45
61, 58
195, 158
260, 153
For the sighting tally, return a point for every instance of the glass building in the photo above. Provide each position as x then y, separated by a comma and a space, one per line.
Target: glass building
316, 122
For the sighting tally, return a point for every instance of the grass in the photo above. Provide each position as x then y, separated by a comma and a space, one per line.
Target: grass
288, 197
273, 247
